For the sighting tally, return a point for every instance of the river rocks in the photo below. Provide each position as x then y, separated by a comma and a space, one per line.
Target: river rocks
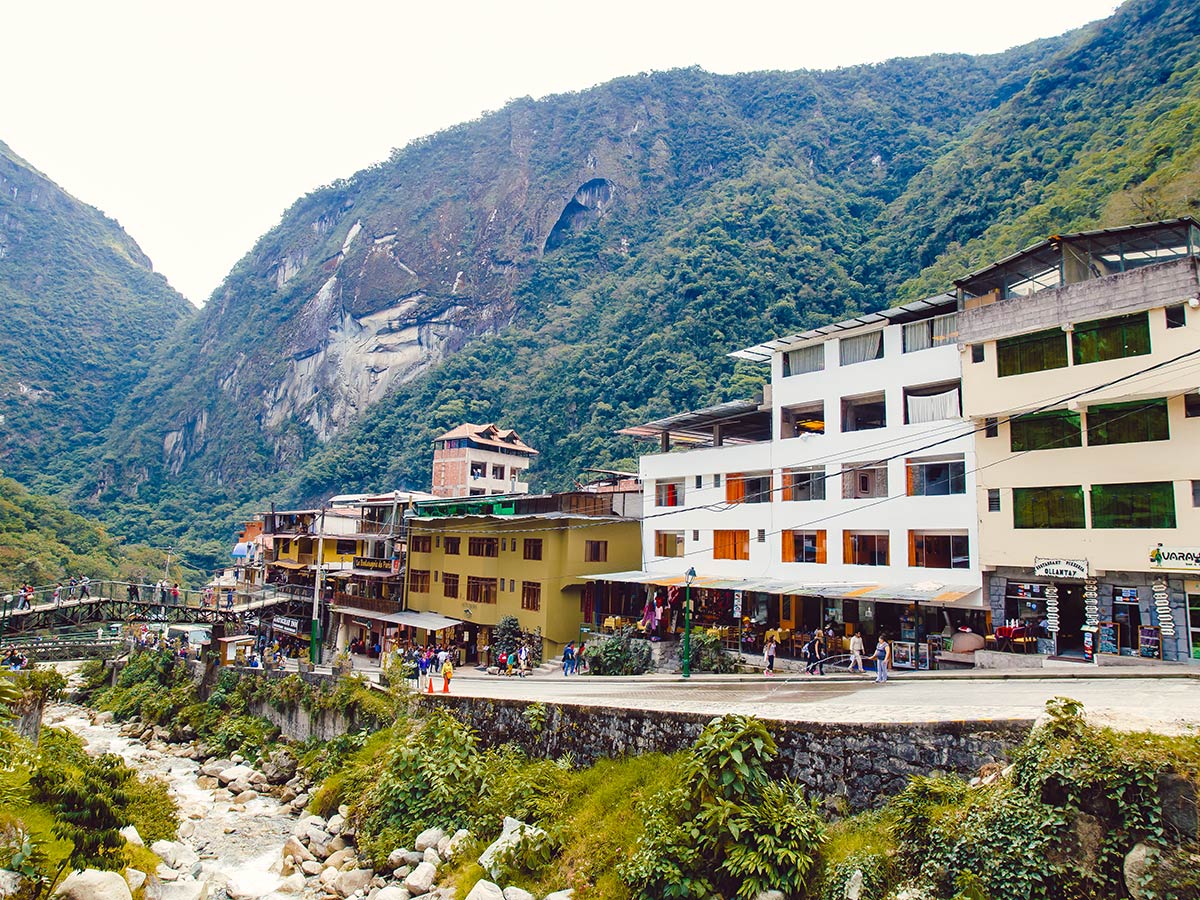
292, 884
339, 859
568, 894
420, 879
280, 767
103, 718
131, 836
516, 893
512, 835
234, 774
336, 823
486, 890
1178, 797
328, 877
135, 878
428, 838
296, 850
347, 883
207, 782
769, 895
13, 884
166, 873
246, 796
215, 767
396, 858
311, 867
393, 892
455, 844
432, 857
91, 884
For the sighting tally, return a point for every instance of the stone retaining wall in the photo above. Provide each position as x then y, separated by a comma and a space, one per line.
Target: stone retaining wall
862, 763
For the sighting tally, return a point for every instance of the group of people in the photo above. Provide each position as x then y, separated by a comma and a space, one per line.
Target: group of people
422, 665
63, 590
812, 652
575, 659
14, 661
514, 662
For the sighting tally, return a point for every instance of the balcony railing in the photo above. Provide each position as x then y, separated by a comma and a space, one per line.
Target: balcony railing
371, 604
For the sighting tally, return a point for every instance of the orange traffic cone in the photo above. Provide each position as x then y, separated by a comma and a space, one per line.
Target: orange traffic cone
445, 685
429, 685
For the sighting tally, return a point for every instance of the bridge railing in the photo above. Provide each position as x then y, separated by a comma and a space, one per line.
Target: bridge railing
242, 597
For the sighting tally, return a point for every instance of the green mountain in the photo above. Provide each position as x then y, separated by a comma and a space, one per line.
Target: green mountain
584, 262
84, 316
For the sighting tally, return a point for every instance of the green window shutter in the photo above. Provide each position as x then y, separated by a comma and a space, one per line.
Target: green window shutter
1139, 505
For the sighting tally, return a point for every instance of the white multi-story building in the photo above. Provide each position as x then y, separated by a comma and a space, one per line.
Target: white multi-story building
846, 496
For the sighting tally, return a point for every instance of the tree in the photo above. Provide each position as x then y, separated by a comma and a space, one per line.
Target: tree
89, 813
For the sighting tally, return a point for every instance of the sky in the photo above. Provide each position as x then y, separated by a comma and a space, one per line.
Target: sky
195, 125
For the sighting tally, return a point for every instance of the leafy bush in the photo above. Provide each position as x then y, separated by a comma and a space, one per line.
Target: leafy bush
708, 654
507, 636
622, 653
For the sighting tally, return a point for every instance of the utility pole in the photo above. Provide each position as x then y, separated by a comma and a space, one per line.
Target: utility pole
314, 643
689, 576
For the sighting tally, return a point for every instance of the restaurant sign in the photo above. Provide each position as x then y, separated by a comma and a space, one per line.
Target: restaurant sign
1186, 559
1059, 568
372, 564
286, 625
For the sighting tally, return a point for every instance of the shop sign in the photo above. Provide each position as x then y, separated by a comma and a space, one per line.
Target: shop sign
737, 604
1044, 567
1186, 559
286, 624
373, 564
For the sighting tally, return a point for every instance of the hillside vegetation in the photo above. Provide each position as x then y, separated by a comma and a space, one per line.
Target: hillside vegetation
84, 316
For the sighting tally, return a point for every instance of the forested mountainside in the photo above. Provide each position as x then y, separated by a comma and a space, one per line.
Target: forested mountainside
82, 316
573, 265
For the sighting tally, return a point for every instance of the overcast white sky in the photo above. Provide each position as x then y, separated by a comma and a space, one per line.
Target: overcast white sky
196, 124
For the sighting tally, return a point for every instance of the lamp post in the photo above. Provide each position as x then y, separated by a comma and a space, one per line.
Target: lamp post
314, 640
688, 576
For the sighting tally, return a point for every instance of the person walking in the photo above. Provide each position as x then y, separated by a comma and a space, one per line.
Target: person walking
447, 674
85, 584
883, 656
422, 671
769, 649
819, 652
856, 653
568, 658
581, 659
57, 595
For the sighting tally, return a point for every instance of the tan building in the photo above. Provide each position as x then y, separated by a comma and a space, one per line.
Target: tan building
1081, 363
479, 560
478, 460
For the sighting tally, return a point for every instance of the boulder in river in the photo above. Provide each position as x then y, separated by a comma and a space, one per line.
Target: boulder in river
428, 838
347, 883
485, 890
420, 879
92, 884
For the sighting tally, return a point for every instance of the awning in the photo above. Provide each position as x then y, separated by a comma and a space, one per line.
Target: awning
426, 620
242, 548
927, 592
288, 564
365, 573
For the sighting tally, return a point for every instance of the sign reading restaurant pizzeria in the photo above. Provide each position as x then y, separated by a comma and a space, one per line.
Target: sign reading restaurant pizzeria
1186, 559
373, 564
286, 625
1059, 568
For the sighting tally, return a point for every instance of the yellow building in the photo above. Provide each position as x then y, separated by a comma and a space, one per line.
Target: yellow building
480, 559
1080, 368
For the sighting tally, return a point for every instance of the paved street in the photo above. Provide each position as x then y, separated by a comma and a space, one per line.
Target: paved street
1170, 705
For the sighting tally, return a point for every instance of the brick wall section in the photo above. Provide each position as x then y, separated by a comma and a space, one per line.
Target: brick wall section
1127, 292
865, 764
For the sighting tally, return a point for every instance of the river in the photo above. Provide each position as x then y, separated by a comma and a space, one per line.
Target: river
227, 848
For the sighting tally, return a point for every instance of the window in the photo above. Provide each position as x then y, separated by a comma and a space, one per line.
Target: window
1035, 352
865, 548
977, 353
1114, 338
450, 585
932, 403
991, 427
533, 548
935, 332
346, 548
862, 348
699, 482
1127, 423
497, 473
453, 546
668, 493
716, 480
418, 581
531, 595
1048, 507
753, 487
731, 544
1191, 406
695, 534
595, 551
1176, 316
804, 546
862, 413
804, 484
421, 543
483, 546
1195, 493
938, 551
504, 544
805, 418
993, 496
936, 478
481, 590
1140, 505
1050, 430
478, 470
804, 360
861, 480
762, 535
668, 543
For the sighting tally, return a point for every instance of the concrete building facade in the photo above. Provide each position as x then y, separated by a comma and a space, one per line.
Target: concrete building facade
480, 460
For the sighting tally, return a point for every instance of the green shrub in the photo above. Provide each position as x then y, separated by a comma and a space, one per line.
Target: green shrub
622, 653
708, 654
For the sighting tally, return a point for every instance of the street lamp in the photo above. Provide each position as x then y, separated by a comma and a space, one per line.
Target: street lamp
689, 576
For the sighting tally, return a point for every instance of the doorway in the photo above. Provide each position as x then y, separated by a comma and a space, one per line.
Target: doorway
1070, 619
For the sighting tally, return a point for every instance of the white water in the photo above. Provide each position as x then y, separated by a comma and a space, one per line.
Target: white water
238, 846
